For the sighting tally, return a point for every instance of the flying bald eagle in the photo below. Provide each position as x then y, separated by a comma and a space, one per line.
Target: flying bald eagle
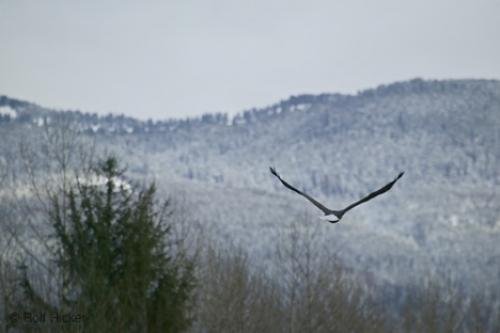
330, 214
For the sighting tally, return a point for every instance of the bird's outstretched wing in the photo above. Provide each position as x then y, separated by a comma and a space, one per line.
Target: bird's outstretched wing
374, 194
290, 187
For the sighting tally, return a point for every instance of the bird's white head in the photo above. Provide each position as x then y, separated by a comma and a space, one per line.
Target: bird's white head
330, 218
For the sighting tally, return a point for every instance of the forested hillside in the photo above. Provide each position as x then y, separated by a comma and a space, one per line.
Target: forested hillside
441, 219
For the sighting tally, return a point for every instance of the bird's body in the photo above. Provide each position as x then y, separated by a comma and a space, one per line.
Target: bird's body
330, 218
330, 215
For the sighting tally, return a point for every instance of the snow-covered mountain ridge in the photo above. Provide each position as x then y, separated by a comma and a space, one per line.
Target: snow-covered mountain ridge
443, 215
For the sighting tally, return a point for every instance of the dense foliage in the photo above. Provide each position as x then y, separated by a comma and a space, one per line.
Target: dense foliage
114, 259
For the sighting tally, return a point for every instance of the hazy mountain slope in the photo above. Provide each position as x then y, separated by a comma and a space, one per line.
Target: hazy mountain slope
442, 216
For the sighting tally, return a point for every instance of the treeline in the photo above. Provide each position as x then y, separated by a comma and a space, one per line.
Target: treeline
84, 249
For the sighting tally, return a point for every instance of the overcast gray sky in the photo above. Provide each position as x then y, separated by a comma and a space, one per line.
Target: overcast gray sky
179, 58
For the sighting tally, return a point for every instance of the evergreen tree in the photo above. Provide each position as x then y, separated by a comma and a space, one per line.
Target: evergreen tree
117, 266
